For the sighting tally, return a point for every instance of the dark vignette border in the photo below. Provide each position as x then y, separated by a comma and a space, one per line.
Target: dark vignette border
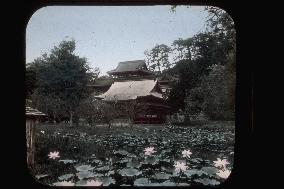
21, 13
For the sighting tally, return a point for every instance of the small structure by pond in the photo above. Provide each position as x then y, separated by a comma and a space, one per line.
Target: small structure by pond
32, 118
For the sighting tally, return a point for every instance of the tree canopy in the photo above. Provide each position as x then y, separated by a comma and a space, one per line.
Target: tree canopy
57, 82
205, 67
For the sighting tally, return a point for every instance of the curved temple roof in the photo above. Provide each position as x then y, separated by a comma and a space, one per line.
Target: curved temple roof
130, 66
126, 90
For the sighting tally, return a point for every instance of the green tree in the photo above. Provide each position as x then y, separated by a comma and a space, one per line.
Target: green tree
215, 88
186, 72
96, 111
221, 23
61, 79
158, 58
202, 87
182, 49
30, 81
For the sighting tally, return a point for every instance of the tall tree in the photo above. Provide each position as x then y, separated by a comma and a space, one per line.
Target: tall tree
221, 23
158, 58
63, 75
214, 91
182, 49
195, 57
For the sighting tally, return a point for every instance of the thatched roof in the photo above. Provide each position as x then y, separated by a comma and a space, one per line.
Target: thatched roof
30, 112
130, 66
127, 90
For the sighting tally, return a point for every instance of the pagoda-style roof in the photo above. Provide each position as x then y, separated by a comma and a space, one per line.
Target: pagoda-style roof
131, 67
129, 90
31, 112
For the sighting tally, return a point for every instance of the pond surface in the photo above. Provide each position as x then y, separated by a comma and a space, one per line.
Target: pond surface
119, 158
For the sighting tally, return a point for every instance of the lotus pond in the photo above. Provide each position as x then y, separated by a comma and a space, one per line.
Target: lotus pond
142, 155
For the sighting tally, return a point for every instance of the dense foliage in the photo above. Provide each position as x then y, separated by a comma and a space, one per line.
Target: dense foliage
205, 67
57, 82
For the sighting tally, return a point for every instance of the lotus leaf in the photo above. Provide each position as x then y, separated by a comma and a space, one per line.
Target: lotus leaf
84, 168
130, 172
65, 177
207, 181
85, 174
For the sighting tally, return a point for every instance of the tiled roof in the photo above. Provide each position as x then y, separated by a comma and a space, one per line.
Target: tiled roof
130, 66
33, 112
126, 90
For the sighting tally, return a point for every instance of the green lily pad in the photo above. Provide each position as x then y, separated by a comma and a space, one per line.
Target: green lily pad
167, 151
96, 161
192, 172
162, 176
81, 183
63, 183
98, 174
124, 160
121, 152
141, 182
66, 161
106, 180
210, 170
168, 169
196, 160
165, 160
182, 184
84, 168
103, 169
121, 163
151, 160
207, 181
85, 174
130, 172
110, 173
134, 163
65, 177
168, 183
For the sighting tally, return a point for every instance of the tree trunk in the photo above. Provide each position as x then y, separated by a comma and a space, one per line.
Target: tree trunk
71, 119
54, 121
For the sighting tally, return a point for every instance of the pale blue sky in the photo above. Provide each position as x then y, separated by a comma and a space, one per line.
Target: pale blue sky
106, 35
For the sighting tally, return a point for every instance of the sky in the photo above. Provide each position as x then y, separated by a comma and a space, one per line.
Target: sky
106, 35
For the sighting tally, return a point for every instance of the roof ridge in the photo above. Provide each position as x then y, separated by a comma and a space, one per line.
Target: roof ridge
131, 61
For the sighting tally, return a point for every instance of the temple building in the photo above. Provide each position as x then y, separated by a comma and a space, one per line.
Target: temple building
136, 93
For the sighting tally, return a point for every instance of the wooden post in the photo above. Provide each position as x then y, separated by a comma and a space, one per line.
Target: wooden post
32, 115
30, 136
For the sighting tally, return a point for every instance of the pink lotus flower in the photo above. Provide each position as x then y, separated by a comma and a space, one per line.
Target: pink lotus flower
64, 183
186, 153
180, 166
224, 174
93, 183
148, 151
221, 163
53, 155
